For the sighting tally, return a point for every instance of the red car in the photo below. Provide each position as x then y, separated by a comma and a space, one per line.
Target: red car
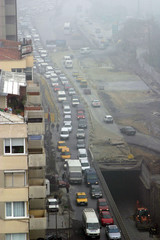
105, 218
102, 205
56, 88
80, 114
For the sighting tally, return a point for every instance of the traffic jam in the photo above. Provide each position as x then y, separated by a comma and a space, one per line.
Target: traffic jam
78, 169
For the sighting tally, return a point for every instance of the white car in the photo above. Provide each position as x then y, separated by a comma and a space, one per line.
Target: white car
67, 118
52, 205
96, 103
64, 134
68, 125
67, 110
108, 119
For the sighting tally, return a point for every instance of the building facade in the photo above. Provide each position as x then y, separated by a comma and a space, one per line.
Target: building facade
8, 19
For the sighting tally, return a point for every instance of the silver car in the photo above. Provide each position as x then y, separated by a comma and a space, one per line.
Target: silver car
113, 232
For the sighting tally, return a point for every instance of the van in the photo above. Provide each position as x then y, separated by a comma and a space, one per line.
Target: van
90, 177
61, 96
68, 64
82, 154
90, 223
64, 134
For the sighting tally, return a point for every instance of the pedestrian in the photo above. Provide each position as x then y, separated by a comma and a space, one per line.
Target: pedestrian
67, 187
64, 176
57, 126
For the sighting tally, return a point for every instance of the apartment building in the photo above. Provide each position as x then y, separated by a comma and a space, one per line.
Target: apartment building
14, 198
17, 57
22, 155
8, 19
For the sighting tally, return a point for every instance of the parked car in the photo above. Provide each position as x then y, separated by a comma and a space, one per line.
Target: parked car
102, 205
81, 143
130, 131
96, 103
105, 218
95, 191
81, 198
67, 118
61, 145
80, 133
112, 232
75, 102
108, 119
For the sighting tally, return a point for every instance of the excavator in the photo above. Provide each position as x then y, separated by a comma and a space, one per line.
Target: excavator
142, 218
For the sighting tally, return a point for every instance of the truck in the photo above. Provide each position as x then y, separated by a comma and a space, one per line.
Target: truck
67, 28
142, 217
74, 171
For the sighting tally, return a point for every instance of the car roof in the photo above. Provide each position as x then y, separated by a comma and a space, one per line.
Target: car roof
81, 193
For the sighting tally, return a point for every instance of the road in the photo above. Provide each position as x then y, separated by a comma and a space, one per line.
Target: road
96, 114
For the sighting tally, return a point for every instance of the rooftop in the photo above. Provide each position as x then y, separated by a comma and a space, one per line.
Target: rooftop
10, 82
9, 118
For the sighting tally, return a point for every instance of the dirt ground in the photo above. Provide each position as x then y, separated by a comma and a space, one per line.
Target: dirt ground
138, 108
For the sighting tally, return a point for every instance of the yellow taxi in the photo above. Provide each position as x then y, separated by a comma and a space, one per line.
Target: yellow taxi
81, 198
65, 154
61, 145
75, 74
79, 78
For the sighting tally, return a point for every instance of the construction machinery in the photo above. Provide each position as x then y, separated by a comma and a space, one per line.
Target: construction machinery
142, 218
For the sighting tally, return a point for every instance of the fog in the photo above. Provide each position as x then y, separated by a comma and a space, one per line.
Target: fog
137, 8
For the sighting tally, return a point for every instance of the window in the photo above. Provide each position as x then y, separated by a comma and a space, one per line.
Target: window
14, 146
10, 20
15, 210
16, 236
14, 179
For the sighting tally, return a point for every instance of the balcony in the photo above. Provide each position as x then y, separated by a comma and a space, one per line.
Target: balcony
36, 128
37, 203
37, 160
37, 192
35, 144
35, 174
38, 219
33, 100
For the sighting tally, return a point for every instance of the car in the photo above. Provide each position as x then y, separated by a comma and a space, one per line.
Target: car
64, 134
108, 119
67, 87
112, 232
81, 198
80, 133
52, 205
75, 102
95, 191
66, 111
75, 74
130, 131
65, 154
68, 125
55, 84
57, 88
105, 218
81, 143
102, 205
82, 123
61, 145
65, 103
96, 103
71, 92
80, 114
61, 183
67, 118
84, 164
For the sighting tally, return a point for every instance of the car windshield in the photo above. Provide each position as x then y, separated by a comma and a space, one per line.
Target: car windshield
102, 203
53, 203
82, 155
113, 230
106, 215
62, 144
81, 196
92, 226
66, 153
85, 164
92, 177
